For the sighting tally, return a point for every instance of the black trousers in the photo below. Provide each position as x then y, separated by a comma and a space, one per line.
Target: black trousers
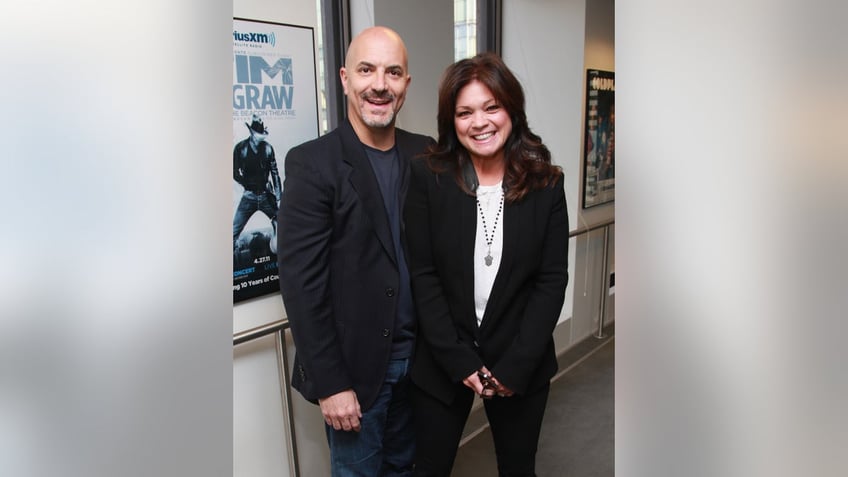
515, 423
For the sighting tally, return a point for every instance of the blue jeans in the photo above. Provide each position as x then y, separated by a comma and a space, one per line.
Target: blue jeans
248, 205
385, 446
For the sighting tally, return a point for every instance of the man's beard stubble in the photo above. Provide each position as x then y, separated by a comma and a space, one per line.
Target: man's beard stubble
378, 121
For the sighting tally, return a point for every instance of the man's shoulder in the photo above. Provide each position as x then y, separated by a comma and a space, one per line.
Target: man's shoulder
329, 140
404, 135
322, 153
412, 145
241, 144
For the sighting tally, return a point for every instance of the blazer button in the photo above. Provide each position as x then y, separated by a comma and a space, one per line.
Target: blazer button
390, 292
476, 344
385, 332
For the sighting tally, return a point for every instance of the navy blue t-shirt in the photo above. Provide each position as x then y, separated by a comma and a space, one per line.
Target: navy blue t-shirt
386, 165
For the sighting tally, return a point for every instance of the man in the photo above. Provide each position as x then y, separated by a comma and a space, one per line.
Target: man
343, 273
255, 168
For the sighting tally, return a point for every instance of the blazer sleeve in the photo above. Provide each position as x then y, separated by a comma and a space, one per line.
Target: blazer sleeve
436, 325
516, 366
304, 234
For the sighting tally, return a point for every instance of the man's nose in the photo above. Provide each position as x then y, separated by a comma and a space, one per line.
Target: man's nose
379, 82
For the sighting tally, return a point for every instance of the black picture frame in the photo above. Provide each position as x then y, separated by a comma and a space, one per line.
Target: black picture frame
599, 139
274, 88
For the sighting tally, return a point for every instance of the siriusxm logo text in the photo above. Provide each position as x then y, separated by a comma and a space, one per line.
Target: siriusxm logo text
253, 37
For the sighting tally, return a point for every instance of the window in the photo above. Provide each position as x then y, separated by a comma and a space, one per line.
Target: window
464, 29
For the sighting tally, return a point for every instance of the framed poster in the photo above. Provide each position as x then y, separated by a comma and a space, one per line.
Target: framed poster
599, 139
275, 107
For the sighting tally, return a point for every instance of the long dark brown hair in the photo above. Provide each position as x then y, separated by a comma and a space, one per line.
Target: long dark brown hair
528, 160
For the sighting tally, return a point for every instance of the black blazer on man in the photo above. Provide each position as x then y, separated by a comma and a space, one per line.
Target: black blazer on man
337, 263
514, 339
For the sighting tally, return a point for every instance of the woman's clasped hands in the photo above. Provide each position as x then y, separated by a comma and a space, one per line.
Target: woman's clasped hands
486, 385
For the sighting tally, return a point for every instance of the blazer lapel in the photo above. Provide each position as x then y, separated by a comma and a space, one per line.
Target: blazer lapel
467, 207
404, 157
365, 185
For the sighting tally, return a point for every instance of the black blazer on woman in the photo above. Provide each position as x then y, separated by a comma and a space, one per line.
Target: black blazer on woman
514, 339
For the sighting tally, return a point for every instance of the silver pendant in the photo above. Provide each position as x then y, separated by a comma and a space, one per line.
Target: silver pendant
488, 259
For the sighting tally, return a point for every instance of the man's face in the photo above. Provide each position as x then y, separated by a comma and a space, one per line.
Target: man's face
257, 137
375, 79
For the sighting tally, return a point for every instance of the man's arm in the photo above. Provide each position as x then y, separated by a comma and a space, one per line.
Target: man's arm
275, 174
304, 238
238, 175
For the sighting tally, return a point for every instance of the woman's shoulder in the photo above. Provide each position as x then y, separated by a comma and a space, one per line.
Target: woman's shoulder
430, 165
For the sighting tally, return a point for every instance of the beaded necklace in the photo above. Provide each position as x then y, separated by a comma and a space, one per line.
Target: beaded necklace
489, 239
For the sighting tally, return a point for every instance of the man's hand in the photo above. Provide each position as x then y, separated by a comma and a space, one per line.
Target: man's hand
341, 411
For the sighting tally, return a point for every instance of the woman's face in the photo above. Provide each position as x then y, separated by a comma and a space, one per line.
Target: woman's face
482, 124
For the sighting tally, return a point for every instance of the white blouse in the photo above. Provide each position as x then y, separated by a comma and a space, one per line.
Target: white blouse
489, 243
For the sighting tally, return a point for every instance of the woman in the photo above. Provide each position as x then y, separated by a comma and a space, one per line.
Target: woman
487, 231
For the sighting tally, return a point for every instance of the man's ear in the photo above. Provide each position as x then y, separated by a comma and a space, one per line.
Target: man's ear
343, 77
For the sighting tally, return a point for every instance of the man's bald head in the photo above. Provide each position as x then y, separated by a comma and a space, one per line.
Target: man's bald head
376, 36
375, 78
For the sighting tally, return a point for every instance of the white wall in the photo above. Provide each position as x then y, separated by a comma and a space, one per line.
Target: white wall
549, 45
543, 44
258, 434
427, 30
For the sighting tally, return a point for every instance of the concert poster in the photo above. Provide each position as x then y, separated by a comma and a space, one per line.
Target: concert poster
599, 139
275, 108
